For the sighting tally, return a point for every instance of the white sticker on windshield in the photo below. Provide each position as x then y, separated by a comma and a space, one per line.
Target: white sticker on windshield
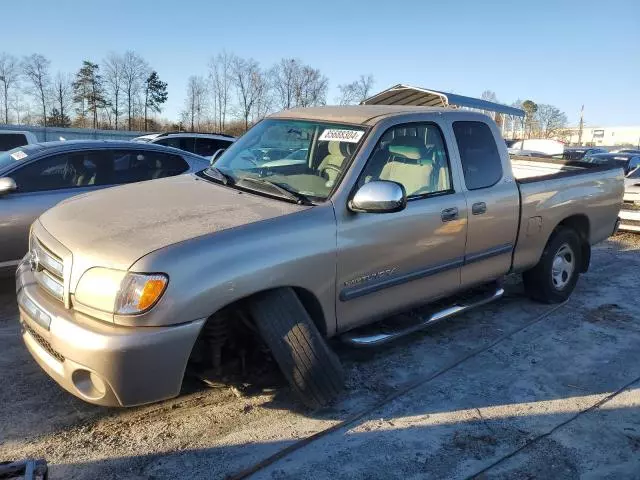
19, 155
335, 134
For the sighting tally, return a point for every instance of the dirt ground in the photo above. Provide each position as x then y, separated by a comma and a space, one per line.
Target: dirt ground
513, 390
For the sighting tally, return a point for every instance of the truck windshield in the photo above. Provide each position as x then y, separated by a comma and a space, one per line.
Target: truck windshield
304, 158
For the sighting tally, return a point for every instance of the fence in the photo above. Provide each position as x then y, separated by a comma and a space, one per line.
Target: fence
52, 134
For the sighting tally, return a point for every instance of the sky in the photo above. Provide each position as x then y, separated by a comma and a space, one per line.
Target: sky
561, 52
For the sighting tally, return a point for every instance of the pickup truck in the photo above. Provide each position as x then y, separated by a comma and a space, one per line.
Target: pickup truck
395, 207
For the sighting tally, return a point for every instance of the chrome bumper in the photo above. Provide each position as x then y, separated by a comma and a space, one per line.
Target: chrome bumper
99, 362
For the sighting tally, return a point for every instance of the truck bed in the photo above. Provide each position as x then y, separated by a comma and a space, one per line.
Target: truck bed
527, 169
552, 190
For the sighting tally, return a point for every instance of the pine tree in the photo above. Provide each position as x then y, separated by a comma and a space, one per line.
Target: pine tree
155, 94
88, 91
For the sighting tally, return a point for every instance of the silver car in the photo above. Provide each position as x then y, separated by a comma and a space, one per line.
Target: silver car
35, 177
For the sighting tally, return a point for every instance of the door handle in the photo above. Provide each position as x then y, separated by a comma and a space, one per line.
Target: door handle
479, 208
449, 214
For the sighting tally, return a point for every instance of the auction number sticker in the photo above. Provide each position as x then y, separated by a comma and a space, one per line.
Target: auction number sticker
340, 135
19, 155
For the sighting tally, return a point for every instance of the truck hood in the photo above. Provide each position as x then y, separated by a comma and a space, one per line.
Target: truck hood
117, 226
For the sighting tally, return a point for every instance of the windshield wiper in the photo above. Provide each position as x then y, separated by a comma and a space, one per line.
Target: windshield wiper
219, 175
282, 188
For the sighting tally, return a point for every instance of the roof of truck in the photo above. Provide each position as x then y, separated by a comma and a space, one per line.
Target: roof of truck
360, 114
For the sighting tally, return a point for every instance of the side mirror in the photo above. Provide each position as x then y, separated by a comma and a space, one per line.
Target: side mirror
216, 155
379, 197
7, 185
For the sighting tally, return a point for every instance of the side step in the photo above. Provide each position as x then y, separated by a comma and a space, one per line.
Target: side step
404, 324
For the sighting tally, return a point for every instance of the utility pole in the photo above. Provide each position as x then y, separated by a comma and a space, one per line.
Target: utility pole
581, 125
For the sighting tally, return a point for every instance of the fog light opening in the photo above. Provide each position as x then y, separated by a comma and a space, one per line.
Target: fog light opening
88, 384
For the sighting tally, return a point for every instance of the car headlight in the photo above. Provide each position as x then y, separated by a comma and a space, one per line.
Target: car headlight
116, 291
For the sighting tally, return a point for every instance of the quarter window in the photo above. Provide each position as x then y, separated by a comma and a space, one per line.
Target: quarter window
208, 146
481, 163
413, 155
9, 141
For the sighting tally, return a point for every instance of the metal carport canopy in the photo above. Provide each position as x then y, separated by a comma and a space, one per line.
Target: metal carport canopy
407, 95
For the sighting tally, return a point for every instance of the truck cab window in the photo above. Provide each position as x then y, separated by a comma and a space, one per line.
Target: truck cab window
479, 155
413, 155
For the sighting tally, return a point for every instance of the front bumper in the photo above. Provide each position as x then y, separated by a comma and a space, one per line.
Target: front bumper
629, 219
99, 362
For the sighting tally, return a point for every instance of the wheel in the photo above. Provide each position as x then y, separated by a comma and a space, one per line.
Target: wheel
311, 368
555, 276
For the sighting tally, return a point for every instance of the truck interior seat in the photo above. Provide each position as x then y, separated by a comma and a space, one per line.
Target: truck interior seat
334, 159
408, 168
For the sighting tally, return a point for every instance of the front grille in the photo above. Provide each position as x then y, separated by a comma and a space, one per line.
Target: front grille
48, 269
40, 340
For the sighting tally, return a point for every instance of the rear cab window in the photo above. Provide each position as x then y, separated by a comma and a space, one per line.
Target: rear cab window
481, 162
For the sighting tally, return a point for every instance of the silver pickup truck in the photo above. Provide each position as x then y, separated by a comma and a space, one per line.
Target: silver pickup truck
316, 223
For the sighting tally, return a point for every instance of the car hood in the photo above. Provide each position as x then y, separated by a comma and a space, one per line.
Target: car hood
117, 226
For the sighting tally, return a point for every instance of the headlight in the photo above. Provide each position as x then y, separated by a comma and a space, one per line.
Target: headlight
116, 291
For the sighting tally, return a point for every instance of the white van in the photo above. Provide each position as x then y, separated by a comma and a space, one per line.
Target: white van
15, 138
539, 145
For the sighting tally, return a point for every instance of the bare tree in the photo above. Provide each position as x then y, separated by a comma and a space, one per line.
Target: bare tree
550, 120
284, 79
114, 80
356, 92
63, 94
195, 103
9, 77
36, 71
298, 85
135, 71
221, 80
251, 86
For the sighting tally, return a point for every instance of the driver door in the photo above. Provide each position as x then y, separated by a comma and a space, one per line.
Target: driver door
389, 262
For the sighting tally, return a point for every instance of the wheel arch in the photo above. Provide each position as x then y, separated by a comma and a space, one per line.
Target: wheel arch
309, 300
580, 224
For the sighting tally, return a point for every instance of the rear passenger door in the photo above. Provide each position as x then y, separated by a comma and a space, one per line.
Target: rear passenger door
492, 202
130, 166
388, 262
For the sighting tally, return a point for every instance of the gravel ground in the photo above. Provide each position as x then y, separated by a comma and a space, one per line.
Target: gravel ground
501, 392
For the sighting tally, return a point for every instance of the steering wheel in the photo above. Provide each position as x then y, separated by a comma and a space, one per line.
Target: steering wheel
327, 167
249, 157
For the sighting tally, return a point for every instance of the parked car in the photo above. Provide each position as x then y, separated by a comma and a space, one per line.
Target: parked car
10, 139
577, 153
395, 207
203, 144
627, 150
146, 138
36, 177
630, 162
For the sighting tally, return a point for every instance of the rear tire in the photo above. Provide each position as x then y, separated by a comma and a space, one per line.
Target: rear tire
311, 368
555, 276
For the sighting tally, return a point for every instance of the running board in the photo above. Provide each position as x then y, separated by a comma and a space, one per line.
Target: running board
401, 325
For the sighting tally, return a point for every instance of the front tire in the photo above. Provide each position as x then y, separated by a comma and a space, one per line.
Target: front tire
555, 276
312, 369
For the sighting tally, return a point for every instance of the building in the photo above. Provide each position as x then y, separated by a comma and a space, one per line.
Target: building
604, 136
